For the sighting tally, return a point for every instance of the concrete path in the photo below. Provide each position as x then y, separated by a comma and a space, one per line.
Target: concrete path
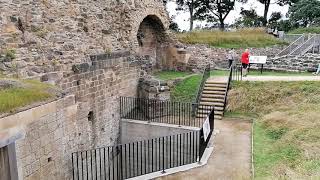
231, 157
281, 78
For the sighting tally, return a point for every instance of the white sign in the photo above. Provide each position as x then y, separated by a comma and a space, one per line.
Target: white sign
206, 128
258, 59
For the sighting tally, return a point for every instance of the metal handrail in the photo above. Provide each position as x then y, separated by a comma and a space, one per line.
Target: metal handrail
228, 87
289, 48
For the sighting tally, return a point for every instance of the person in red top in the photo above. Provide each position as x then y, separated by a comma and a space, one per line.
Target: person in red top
245, 62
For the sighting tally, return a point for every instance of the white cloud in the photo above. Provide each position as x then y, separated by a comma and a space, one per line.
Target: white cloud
182, 18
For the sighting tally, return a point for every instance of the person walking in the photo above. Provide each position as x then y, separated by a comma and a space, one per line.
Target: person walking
245, 62
318, 71
230, 57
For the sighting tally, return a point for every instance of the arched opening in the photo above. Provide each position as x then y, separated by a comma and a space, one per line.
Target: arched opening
151, 38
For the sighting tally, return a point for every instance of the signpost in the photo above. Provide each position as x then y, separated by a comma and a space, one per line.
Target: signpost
258, 60
206, 129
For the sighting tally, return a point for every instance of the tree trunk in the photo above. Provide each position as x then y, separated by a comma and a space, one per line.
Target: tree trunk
221, 24
265, 14
191, 17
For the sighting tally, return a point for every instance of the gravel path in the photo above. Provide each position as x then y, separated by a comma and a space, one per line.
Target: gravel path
231, 157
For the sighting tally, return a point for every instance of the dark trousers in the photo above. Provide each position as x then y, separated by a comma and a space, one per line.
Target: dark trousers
230, 62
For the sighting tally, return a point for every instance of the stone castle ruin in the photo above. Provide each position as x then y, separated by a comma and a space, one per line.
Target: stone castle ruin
95, 51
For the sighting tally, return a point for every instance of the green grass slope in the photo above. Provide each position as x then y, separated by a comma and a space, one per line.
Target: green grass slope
243, 38
286, 126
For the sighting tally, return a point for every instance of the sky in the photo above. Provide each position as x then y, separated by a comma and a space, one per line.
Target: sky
182, 18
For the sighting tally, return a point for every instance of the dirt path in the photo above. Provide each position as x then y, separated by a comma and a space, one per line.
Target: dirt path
231, 158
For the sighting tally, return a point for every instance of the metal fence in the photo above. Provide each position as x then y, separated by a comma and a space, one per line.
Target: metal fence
151, 110
142, 157
236, 74
138, 158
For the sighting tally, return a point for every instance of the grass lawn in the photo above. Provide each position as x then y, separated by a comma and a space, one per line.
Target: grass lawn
286, 126
169, 75
264, 73
187, 89
30, 92
239, 39
278, 73
314, 30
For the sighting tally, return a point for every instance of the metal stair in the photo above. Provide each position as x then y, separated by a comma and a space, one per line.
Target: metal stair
295, 44
213, 94
312, 42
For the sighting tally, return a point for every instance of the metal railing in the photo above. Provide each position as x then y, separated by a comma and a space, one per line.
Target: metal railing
293, 45
205, 76
290, 37
143, 157
138, 158
236, 74
228, 87
152, 110
313, 40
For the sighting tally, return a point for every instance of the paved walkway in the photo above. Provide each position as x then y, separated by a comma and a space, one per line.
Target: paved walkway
268, 78
281, 78
231, 157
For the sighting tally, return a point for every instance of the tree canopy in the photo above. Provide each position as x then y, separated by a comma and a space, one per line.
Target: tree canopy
305, 12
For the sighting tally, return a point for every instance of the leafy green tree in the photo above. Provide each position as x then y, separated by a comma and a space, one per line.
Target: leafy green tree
305, 12
274, 19
188, 6
249, 18
215, 11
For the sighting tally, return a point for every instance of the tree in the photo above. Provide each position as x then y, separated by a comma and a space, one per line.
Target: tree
174, 26
189, 6
215, 11
273, 20
249, 18
286, 2
266, 4
305, 12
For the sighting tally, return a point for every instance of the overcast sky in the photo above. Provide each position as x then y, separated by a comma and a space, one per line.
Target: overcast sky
182, 18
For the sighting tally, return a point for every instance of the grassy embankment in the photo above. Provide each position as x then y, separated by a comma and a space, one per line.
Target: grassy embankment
26, 93
286, 126
243, 38
186, 90
314, 30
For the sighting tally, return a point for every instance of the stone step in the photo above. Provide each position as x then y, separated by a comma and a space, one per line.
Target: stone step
218, 117
217, 96
213, 92
216, 85
215, 82
212, 104
211, 100
214, 89
207, 112
215, 108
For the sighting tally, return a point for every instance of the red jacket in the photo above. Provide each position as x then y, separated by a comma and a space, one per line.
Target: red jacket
245, 58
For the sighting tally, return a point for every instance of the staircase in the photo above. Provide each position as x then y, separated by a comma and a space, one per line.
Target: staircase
295, 44
313, 41
213, 94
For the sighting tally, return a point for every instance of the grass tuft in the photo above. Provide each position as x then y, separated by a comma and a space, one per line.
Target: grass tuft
30, 92
243, 38
170, 75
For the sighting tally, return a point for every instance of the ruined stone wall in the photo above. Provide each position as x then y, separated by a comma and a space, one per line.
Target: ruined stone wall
38, 37
87, 118
202, 55
307, 62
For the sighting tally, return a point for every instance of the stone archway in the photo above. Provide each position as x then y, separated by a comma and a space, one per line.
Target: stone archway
152, 39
